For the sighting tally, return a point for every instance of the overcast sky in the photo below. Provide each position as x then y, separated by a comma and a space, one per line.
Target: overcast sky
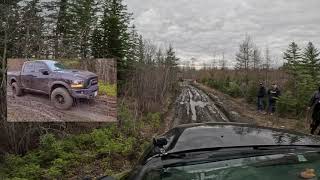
202, 28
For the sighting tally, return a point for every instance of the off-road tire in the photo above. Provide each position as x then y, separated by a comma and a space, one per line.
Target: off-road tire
61, 99
16, 90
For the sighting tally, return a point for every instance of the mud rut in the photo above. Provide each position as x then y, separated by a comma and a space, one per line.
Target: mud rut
33, 107
195, 106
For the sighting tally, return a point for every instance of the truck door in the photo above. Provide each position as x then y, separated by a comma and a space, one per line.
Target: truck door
41, 77
27, 73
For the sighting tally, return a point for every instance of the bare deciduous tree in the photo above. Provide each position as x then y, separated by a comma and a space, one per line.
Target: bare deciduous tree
244, 56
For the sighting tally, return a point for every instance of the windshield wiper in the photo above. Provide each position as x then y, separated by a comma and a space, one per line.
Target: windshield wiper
257, 149
271, 147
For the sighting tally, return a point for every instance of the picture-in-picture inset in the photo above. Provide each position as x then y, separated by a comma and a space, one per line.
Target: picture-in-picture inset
61, 90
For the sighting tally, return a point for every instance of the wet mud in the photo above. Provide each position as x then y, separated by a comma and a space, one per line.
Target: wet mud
34, 107
195, 106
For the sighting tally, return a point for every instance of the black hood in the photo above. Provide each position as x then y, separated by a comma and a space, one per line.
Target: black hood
217, 135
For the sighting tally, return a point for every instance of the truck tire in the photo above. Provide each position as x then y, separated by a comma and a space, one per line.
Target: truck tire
16, 90
61, 99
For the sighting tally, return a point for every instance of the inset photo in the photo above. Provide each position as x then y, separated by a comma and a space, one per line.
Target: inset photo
64, 90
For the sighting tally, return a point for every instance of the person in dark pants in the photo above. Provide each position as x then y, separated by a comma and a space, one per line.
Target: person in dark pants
261, 95
315, 103
274, 94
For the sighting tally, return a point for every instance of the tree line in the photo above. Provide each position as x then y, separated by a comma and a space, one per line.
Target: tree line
303, 66
298, 77
65, 29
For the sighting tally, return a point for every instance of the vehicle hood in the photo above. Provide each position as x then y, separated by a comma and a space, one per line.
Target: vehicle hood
217, 135
77, 73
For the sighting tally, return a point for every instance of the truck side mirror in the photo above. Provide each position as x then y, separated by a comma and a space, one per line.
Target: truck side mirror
44, 71
160, 142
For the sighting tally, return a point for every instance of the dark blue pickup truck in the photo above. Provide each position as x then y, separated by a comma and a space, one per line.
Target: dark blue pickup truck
50, 77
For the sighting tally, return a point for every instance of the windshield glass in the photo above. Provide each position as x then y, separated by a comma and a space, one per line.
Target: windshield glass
275, 167
55, 66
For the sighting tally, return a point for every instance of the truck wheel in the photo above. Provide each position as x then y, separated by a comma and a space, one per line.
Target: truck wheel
16, 90
61, 99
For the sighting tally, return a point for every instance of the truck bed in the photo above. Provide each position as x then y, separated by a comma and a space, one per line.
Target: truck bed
13, 73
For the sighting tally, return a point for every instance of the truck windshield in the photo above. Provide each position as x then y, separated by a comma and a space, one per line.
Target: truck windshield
55, 66
277, 167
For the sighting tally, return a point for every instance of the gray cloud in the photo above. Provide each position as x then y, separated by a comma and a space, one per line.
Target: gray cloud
202, 28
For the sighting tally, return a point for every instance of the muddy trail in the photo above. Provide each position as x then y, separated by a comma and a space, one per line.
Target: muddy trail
34, 107
195, 106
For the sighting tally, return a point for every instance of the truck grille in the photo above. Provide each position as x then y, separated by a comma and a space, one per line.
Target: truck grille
93, 81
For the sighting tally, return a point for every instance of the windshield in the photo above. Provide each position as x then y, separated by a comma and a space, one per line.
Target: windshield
55, 66
276, 167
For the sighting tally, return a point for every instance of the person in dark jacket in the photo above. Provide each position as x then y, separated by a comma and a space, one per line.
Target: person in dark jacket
261, 95
315, 103
273, 94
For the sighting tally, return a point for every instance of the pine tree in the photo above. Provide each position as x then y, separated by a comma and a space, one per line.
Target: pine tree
9, 24
61, 30
171, 59
83, 19
30, 31
62, 19
115, 35
141, 56
293, 57
97, 44
311, 61
133, 51
293, 65
302, 70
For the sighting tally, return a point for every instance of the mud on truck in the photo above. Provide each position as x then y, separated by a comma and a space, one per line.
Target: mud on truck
50, 77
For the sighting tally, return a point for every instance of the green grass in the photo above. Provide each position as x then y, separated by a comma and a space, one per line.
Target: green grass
107, 89
106, 149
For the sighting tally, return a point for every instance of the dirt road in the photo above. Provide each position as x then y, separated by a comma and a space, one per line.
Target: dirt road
194, 106
37, 107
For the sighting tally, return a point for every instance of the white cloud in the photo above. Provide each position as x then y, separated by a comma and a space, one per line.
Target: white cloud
201, 28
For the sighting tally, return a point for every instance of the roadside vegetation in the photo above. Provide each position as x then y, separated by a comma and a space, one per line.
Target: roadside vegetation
105, 151
297, 79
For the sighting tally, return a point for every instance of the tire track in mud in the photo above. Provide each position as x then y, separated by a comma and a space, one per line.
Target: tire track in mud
38, 108
195, 106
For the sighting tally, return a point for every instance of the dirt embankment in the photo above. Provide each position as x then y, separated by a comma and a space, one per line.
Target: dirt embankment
34, 107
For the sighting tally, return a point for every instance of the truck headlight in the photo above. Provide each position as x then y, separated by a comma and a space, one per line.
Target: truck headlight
77, 84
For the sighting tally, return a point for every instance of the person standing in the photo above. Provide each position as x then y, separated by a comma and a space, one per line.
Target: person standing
274, 94
315, 103
261, 95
